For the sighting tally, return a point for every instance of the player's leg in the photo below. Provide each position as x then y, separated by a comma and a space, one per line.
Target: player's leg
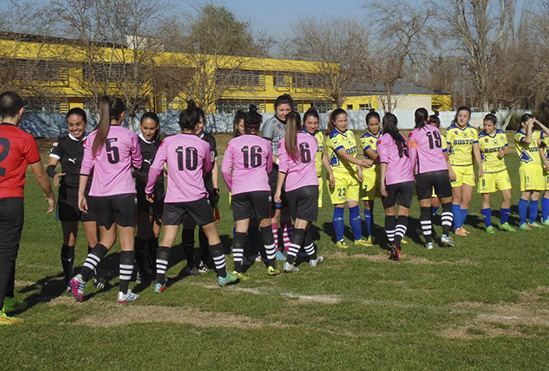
523, 208
466, 196
487, 213
70, 232
297, 240
533, 208
545, 208
239, 241
353, 195
126, 234
144, 223
187, 240
171, 229
262, 211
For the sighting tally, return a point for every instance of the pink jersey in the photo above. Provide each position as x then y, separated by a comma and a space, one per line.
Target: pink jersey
189, 159
250, 158
427, 147
399, 165
112, 166
300, 172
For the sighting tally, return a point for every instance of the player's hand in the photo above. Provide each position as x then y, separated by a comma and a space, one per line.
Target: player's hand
547, 166
366, 163
57, 179
480, 173
51, 203
277, 198
452, 175
82, 204
332, 180
501, 154
360, 177
150, 198
383, 190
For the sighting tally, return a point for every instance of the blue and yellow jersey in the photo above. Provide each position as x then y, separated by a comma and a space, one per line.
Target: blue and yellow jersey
336, 141
545, 141
460, 143
490, 146
528, 153
318, 157
368, 141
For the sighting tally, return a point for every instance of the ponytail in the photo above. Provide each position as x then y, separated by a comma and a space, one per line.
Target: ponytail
252, 120
390, 123
293, 126
421, 117
491, 117
103, 126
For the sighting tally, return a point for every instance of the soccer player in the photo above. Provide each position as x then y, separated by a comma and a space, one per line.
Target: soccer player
69, 151
370, 184
199, 259
342, 153
462, 140
298, 171
110, 151
397, 182
274, 130
246, 165
149, 216
17, 150
189, 159
493, 148
311, 120
532, 181
428, 156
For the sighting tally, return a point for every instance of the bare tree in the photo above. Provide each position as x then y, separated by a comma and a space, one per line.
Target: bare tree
338, 45
400, 35
479, 28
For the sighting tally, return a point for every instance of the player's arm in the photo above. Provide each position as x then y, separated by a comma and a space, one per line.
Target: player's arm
383, 188
543, 153
268, 133
372, 155
528, 138
342, 154
50, 170
543, 127
44, 182
326, 164
478, 159
451, 172
226, 168
282, 170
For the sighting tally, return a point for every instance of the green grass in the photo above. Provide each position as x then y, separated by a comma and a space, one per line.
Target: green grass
481, 305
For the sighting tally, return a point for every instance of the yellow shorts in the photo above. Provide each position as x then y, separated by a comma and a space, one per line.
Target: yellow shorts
370, 185
434, 195
346, 189
464, 175
532, 178
489, 183
320, 190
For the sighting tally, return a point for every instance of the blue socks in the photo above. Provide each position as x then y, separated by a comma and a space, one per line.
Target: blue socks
544, 209
504, 216
368, 220
356, 222
463, 216
533, 211
523, 208
339, 222
456, 210
487, 215
434, 210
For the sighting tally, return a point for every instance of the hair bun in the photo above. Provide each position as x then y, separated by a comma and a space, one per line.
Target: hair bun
493, 112
253, 108
436, 113
372, 110
312, 108
191, 104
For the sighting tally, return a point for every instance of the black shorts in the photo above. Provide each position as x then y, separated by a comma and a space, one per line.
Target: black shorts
439, 180
399, 193
249, 204
11, 225
156, 208
303, 203
67, 206
199, 210
119, 209
273, 180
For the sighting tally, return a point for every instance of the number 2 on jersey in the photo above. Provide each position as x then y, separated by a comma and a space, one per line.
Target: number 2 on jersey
5, 144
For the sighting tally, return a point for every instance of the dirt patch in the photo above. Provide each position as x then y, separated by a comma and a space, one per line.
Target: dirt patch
502, 319
19, 283
125, 315
63, 300
324, 299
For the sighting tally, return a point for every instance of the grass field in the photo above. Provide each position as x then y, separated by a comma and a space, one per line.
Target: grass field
483, 305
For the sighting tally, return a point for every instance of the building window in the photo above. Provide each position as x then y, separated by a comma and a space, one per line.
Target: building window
36, 70
104, 72
233, 105
236, 78
322, 107
364, 107
282, 79
307, 80
350, 107
43, 105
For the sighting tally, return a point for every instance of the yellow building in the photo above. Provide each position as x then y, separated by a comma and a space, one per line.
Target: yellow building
57, 74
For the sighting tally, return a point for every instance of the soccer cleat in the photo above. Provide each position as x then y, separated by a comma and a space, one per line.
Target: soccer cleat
77, 287
490, 230
546, 222
280, 256
203, 268
315, 262
290, 268
363, 242
13, 305
429, 245
447, 241
394, 253
224, 281
506, 227
370, 240
159, 288
534, 225
99, 283
525, 227
403, 241
187, 270
241, 276
461, 232
342, 244
7, 321
127, 297
138, 277
273, 271
195, 272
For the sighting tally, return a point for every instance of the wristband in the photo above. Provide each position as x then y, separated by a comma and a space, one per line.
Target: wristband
51, 171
